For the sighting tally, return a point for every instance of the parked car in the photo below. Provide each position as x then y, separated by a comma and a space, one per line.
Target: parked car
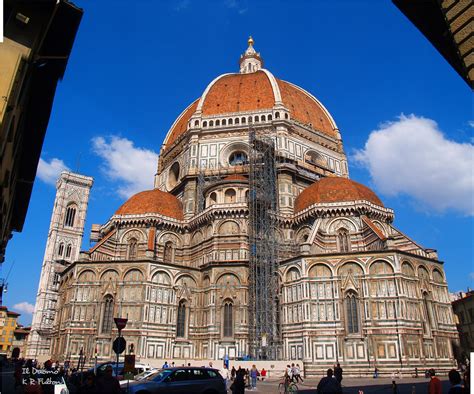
117, 371
140, 376
180, 380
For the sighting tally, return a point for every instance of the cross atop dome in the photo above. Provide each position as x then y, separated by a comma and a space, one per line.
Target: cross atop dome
250, 61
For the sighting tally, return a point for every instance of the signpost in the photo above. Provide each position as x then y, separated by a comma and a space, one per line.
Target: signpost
120, 343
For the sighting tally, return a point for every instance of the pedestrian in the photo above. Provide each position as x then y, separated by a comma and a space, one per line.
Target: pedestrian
297, 375
376, 373
165, 365
293, 372
238, 386
172, 364
289, 373
338, 373
416, 372
329, 385
467, 380
253, 377
225, 375
247, 377
233, 372
434, 385
263, 374
455, 380
210, 364
189, 364
107, 384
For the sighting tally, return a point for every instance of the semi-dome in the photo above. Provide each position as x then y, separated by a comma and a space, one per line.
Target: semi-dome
152, 201
334, 189
254, 89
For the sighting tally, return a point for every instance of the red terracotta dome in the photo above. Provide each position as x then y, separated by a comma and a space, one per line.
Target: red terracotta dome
334, 189
260, 90
152, 201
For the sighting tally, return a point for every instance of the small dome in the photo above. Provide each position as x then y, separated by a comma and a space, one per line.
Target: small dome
334, 189
152, 201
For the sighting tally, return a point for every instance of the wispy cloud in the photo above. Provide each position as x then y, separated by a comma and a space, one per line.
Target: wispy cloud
236, 5
182, 5
49, 172
411, 156
132, 167
24, 307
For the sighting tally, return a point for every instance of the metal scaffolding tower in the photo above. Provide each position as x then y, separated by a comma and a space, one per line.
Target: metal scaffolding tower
264, 315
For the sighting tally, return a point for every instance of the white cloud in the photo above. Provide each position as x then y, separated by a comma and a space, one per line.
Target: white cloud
134, 168
471, 123
236, 5
49, 172
24, 307
412, 156
182, 5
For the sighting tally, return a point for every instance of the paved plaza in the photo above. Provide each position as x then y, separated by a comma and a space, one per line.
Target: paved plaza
353, 385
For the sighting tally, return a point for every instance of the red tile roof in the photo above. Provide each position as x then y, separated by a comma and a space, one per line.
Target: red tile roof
334, 189
152, 201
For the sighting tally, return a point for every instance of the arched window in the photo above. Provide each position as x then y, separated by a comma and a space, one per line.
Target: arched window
168, 253
269, 117
108, 315
228, 320
212, 198
218, 122
204, 124
263, 118
68, 251
181, 320
427, 319
243, 120
255, 118
352, 313
132, 248
231, 121
224, 122
237, 121
70, 215
211, 123
229, 196
343, 241
286, 116
196, 123
277, 115
61, 250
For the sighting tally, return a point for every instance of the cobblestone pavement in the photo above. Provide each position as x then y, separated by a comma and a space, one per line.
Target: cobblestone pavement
353, 385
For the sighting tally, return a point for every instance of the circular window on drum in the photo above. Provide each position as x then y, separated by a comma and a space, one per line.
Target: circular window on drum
238, 158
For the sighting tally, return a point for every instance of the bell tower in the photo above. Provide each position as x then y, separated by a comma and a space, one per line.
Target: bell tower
62, 248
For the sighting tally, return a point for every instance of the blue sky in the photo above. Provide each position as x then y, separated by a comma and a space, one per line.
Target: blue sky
404, 113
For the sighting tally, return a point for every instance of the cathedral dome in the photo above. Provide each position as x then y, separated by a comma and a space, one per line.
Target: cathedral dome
334, 189
152, 201
254, 89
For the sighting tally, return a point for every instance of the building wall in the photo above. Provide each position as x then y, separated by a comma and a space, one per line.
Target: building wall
8, 324
464, 310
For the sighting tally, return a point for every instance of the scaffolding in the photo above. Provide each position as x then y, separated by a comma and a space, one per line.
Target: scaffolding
263, 307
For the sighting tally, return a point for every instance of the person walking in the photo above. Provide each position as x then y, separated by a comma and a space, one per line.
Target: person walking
455, 380
233, 372
253, 376
263, 374
297, 375
338, 373
238, 386
434, 385
165, 365
329, 385
225, 375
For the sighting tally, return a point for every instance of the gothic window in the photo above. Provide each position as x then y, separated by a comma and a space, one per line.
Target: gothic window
263, 118
277, 115
224, 122
61, 250
343, 241
70, 215
181, 320
218, 122
132, 249
228, 321
237, 121
168, 253
427, 320
244, 121
231, 121
204, 124
108, 316
352, 313
269, 117
68, 251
